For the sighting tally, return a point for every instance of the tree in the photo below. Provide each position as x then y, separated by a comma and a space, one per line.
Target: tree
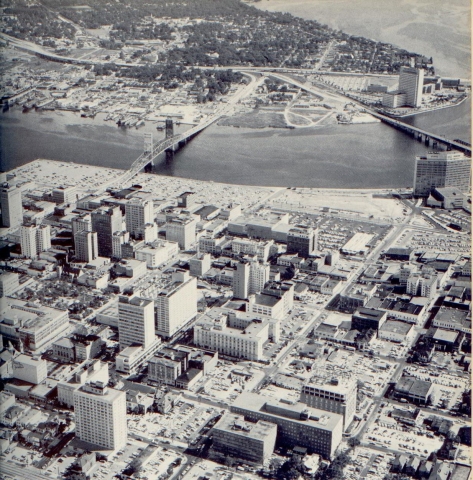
353, 442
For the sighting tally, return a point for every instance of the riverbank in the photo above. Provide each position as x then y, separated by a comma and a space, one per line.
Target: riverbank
44, 175
433, 109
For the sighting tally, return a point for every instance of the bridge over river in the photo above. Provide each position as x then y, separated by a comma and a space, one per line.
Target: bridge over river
417, 133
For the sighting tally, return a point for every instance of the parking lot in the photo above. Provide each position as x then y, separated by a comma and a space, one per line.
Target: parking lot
213, 471
371, 374
389, 433
155, 460
448, 387
181, 424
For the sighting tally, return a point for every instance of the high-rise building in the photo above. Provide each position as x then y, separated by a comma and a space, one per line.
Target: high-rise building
259, 275
86, 246
176, 304
302, 240
100, 415
43, 238
28, 241
336, 396
135, 322
138, 213
119, 239
8, 283
241, 280
441, 169
106, 222
10, 203
411, 81
80, 223
182, 231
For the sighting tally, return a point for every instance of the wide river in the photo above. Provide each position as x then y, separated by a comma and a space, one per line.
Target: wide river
339, 156
351, 156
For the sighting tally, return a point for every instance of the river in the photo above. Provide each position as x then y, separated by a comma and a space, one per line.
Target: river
351, 156
339, 156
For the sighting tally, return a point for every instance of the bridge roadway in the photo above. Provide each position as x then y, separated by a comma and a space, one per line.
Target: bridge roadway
274, 72
392, 121
158, 148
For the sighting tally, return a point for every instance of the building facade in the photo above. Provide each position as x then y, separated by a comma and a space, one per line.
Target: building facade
100, 415
411, 81
298, 425
255, 442
176, 305
332, 397
138, 213
10, 203
135, 321
86, 246
441, 169
106, 222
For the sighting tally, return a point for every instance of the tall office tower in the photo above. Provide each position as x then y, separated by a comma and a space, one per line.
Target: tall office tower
302, 240
241, 280
106, 222
43, 238
8, 283
441, 169
182, 231
135, 322
80, 223
118, 239
28, 241
10, 203
333, 397
86, 246
259, 275
411, 81
176, 304
138, 212
100, 415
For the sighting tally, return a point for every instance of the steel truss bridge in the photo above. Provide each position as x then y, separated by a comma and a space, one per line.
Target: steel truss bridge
165, 145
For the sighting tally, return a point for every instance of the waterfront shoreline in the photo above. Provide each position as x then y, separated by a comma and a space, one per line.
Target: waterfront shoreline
40, 163
440, 107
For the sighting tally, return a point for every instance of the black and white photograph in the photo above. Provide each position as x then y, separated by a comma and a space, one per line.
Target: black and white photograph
235, 239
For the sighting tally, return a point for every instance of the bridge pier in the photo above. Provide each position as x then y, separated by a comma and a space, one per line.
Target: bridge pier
435, 145
427, 141
419, 137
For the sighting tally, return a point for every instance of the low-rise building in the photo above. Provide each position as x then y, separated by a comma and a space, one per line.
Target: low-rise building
29, 369
415, 390
298, 425
36, 326
157, 253
368, 318
234, 333
452, 319
199, 264
396, 331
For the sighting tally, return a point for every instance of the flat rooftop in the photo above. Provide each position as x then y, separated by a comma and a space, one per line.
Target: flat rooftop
237, 425
394, 326
31, 316
277, 409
